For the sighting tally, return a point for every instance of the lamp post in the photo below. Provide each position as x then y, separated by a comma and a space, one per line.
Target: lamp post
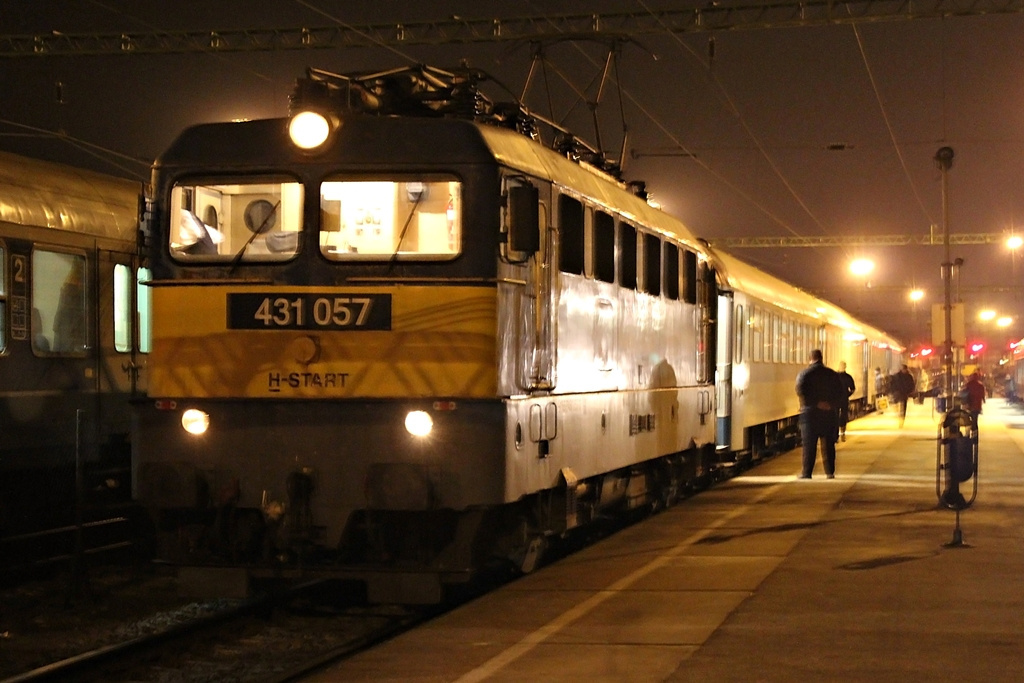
944, 159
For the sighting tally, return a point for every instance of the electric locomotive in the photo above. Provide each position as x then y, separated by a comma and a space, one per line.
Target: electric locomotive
70, 356
421, 344
396, 338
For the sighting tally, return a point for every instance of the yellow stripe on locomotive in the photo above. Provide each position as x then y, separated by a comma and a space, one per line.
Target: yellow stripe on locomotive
324, 342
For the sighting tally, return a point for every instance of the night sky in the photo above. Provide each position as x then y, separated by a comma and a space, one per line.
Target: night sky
783, 132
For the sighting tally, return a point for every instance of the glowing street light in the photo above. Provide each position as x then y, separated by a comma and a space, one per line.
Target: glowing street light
1015, 242
987, 315
1004, 321
862, 267
916, 295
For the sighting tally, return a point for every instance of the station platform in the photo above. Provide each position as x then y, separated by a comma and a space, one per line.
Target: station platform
767, 577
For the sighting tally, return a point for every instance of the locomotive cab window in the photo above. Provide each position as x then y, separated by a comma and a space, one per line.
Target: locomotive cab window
381, 220
248, 220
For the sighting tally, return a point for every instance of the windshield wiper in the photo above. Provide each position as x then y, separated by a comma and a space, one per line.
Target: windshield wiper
256, 232
405, 229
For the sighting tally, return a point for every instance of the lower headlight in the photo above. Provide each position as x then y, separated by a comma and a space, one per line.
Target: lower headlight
418, 423
195, 421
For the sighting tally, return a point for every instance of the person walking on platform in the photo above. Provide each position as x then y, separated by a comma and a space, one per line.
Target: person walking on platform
881, 391
974, 395
903, 387
821, 393
844, 406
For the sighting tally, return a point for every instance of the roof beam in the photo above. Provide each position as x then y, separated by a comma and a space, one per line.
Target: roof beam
857, 240
463, 30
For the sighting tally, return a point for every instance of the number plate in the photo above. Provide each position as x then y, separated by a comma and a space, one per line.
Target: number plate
303, 311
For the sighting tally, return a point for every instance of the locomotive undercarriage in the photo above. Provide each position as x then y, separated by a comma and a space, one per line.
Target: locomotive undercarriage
412, 556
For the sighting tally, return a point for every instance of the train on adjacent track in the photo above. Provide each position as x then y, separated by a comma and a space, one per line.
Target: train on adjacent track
70, 356
425, 341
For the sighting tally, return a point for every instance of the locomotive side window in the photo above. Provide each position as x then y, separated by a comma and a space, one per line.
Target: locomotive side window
59, 314
570, 230
415, 219
652, 264
671, 271
627, 255
604, 247
249, 220
689, 276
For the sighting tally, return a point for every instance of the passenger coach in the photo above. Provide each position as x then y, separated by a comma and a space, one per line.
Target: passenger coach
72, 337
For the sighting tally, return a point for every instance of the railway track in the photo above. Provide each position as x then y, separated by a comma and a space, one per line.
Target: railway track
25, 555
274, 638
280, 636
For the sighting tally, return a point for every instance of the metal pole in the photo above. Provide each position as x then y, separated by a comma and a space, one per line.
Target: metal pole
944, 159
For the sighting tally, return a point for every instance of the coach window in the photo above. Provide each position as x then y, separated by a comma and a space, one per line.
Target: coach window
570, 232
59, 314
122, 308
652, 264
627, 255
785, 339
405, 219
250, 220
3, 299
671, 271
756, 322
689, 276
144, 307
740, 324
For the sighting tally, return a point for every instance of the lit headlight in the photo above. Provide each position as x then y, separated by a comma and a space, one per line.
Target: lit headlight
309, 129
418, 423
195, 421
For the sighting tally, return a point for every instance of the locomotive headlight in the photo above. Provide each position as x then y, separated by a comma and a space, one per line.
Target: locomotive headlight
309, 129
418, 423
195, 421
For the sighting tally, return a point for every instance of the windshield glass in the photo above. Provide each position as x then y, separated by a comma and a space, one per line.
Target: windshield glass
383, 220
253, 220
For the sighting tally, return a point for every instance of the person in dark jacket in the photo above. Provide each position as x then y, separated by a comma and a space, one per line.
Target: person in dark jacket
974, 395
844, 407
821, 393
902, 386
